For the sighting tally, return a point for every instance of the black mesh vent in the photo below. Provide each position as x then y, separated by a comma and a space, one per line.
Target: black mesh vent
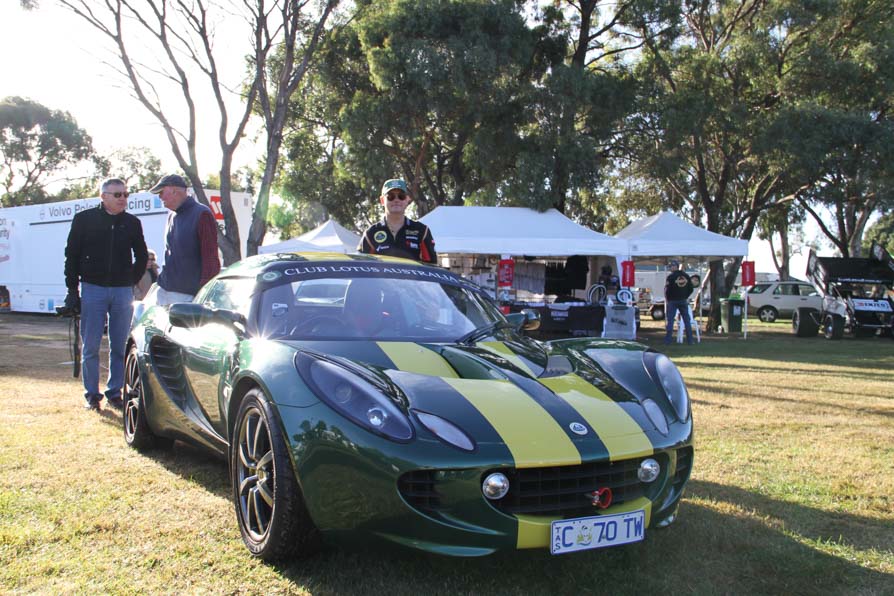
684, 467
418, 489
561, 490
169, 366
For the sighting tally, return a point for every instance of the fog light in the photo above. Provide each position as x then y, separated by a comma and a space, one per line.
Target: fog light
495, 486
376, 417
648, 470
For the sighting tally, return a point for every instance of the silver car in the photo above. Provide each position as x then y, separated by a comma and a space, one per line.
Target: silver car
771, 300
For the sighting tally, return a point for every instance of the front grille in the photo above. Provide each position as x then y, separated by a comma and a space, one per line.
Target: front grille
561, 490
418, 490
169, 365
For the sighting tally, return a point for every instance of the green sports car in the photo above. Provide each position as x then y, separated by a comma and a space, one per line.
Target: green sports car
365, 400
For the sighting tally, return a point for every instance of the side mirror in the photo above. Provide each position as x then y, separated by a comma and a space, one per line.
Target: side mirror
190, 315
526, 320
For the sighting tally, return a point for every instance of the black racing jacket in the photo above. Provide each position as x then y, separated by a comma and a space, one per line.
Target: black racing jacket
413, 241
104, 250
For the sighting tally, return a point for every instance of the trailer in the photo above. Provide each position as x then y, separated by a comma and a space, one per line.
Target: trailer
33, 238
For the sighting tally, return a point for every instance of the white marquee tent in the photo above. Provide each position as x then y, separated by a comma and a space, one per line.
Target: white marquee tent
329, 236
666, 235
515, 231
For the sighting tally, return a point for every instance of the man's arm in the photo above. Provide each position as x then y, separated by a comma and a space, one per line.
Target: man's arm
365, 245
140, 252
207, 231
427, 248
73, 257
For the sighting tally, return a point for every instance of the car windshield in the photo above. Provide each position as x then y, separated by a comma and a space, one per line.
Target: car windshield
377, 308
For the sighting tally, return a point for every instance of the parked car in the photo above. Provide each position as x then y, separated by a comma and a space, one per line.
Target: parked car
363, 400
857, 296
775, 299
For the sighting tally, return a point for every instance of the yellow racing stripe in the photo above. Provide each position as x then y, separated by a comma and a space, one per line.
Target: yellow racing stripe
532, 435
410, 357
501, 349
620, 433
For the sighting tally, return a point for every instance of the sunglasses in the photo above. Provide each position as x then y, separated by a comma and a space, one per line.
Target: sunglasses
397, 195
119, 194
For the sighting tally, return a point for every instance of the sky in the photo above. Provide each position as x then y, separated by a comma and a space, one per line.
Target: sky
53, 57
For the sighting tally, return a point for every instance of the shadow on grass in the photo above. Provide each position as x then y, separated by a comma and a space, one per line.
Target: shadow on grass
812, 402
860, 532
187, 461
704, 552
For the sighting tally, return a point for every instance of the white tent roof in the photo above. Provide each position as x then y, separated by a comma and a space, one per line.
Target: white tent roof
333, 236
291, 245
329, 236
666, 235
515, 231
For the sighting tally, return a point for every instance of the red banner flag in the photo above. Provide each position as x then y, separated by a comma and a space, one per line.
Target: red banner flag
747, 273
506, 273
628, 274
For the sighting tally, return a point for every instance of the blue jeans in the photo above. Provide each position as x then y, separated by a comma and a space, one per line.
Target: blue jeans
96, 303
671, 308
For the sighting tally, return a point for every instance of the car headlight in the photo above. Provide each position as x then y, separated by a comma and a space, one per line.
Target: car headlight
446, 431
354, 398
668, 377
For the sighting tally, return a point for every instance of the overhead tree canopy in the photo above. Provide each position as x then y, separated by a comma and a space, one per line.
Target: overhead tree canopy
36, 143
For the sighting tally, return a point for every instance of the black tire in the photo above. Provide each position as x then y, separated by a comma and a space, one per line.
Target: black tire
273, 519
657, 313
137, 432
767, 314
804, 322
833, 327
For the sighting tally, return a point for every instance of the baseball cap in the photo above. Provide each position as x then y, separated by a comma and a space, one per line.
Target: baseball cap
394, 183
169, 180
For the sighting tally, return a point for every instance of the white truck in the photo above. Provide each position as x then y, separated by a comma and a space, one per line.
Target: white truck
33, 237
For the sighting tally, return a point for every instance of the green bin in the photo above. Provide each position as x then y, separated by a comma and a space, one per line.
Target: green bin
731, 312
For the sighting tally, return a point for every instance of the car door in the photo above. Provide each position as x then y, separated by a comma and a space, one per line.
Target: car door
208, 350
785, 297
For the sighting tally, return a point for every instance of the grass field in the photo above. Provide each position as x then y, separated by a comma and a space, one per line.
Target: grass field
792, 490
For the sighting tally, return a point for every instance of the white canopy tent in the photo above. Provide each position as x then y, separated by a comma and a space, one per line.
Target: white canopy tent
329, 236
666, 235
515, 231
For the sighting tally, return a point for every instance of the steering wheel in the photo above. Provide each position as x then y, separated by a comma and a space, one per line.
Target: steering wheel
315, 324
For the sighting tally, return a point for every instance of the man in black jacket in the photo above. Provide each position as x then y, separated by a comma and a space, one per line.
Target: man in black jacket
107, 253
677, 289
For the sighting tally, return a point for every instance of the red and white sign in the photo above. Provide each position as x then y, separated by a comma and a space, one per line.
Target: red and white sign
506, 273
747, 273
628, 274
214, 202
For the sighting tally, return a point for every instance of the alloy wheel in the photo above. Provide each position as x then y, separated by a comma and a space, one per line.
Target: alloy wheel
254, 474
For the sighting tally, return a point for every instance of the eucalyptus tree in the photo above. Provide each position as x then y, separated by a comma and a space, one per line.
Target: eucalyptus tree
726, 124
434, 92
36, 143
183, 52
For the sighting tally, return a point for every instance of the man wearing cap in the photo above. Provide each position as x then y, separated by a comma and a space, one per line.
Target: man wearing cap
190, 243
397, 235
106, 253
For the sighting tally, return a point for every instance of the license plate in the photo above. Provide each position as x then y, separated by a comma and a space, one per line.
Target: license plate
599, 531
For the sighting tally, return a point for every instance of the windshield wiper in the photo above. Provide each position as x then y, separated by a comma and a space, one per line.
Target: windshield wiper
475, 334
